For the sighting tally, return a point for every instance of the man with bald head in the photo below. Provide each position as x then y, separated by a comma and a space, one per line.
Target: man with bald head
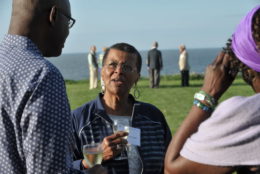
35, 124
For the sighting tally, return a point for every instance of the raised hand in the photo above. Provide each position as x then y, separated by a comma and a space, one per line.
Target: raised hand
219, 75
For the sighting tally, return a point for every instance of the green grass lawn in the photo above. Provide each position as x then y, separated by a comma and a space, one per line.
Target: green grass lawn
172, 99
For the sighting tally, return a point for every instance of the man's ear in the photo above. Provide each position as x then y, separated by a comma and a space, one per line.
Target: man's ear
53, 15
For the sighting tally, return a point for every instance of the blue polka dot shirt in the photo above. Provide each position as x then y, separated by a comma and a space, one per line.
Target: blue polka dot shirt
35, 122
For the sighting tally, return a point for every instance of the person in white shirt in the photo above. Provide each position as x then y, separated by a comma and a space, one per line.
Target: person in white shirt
93, 68
100, 62
184, 66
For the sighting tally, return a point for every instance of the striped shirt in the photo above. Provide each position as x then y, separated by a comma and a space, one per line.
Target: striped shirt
92, 124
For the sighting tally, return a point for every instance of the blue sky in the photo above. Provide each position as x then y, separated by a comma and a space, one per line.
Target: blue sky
196, 23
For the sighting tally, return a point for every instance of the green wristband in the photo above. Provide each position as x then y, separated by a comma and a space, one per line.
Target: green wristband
202, 106
201, 95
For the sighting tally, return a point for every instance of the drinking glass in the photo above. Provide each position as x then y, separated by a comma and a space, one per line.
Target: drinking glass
120, 126
92, 153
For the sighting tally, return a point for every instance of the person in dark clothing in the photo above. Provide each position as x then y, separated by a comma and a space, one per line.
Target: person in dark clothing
96, 121
155, 65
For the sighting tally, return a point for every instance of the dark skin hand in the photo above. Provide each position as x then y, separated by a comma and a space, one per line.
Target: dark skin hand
112, 146
217, 80
218, 77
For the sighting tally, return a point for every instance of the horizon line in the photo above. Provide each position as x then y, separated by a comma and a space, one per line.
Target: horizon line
148, 49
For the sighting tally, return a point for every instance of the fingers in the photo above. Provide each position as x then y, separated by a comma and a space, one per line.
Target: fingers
114, 144
222, 62
218, 60
112, 151
231, 71
219, 75
116, 138
119, 134
226, 60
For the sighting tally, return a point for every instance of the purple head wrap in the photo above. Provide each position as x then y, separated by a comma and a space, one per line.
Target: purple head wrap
243, 44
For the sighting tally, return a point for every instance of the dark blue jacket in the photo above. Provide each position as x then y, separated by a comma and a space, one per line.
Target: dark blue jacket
91, 123
154, 59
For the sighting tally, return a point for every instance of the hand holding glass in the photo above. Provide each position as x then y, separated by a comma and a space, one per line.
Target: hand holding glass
93, 154
118, 126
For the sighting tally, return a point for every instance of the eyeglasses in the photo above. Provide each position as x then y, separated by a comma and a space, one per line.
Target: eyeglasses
125, 68
71, 21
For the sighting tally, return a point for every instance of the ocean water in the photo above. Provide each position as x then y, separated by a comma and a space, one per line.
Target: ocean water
75, 66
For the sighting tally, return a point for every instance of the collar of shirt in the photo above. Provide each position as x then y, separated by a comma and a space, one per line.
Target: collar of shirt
20, 41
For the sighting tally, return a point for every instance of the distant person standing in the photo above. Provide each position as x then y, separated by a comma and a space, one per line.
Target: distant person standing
100, 60
93, 68
100, 57
184, 65
155, 65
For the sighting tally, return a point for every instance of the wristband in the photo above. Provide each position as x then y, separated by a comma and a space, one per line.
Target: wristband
203, 96
202, 106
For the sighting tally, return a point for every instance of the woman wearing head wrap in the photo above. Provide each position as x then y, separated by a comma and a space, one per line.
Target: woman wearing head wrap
227, 139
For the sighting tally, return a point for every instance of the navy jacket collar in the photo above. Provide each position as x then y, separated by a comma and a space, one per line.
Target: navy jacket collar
100, 110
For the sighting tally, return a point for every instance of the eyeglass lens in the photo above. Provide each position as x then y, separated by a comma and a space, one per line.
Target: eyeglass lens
125, 67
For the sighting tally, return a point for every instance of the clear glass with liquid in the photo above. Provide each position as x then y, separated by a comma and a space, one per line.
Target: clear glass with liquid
93, 154
121, 126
